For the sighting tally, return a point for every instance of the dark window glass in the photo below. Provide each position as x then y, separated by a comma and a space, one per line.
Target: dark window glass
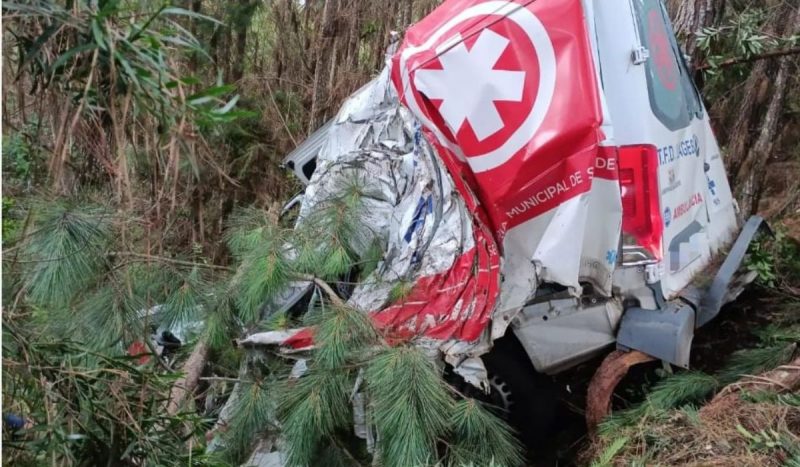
672, 94
309, 168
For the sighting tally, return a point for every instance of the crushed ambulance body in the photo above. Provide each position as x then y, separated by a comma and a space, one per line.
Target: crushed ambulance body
543, 171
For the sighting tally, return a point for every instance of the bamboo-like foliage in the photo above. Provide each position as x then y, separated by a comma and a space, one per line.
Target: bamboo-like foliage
86, 400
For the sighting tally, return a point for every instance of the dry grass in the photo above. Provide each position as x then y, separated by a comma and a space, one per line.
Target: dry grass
710, 437
747, 424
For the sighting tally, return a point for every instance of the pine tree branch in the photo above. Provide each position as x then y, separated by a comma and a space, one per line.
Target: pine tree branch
345, 451
336, 299
752, 58
163, 259
185, 385
222, 378
781, 379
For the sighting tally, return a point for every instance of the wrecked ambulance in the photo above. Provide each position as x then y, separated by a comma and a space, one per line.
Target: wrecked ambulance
546, 176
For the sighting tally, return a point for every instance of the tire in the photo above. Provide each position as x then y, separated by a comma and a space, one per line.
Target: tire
528, 400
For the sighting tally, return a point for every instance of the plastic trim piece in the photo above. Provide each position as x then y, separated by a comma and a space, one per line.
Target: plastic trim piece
665, 333
713, 300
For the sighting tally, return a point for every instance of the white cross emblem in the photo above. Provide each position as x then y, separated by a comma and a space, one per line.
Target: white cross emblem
469, 85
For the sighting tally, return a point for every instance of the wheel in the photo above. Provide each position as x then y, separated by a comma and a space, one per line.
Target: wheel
527, 400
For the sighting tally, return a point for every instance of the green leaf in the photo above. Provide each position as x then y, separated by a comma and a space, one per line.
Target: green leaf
126, 66
211, 92
32, 52
97, 34
63, 58
192, 14
109, 8
228, 106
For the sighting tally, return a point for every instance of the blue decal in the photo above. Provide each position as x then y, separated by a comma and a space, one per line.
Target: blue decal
712, 187
611, 256
667, 216
424, 207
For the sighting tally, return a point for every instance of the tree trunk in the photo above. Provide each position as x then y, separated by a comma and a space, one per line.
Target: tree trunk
750, 161
320, 92
280, 12
689, 18
197, 6
751, 172
406, 18
353, 35
241, 52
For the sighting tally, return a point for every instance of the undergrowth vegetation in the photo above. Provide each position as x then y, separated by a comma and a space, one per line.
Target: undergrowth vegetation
685, 419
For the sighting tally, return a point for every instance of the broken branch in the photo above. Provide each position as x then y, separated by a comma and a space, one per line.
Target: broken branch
185, 385
752, 58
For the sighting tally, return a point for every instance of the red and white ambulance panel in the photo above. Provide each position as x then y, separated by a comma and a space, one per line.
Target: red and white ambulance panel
508, 92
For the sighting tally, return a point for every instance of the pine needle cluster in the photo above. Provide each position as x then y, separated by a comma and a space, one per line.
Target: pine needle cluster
315, 406
259, 247
253, 411
411, 406
80, 287
479, 434
418, 418
65, 252
83, 284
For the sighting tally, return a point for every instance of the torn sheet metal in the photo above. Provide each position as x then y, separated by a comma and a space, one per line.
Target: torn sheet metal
432, 238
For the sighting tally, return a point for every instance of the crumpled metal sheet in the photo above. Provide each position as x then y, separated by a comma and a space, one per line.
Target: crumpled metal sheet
412, 207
